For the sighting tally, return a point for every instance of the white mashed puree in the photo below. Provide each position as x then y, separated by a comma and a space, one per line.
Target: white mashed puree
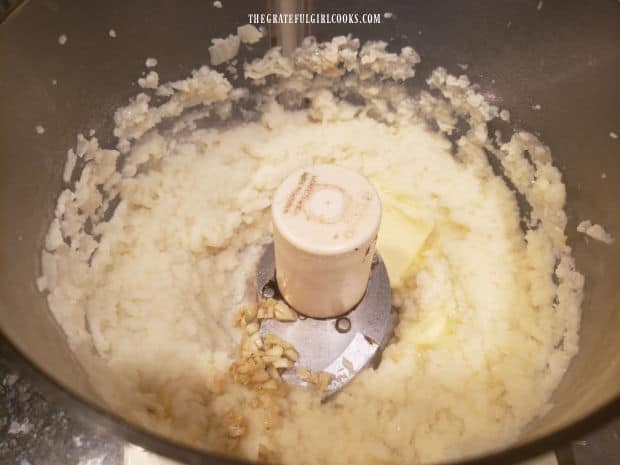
153, 245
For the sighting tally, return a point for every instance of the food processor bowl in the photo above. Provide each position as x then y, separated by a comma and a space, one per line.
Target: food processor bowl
554, 65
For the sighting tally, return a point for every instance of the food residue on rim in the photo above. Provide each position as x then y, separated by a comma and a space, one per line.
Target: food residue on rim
595, 231
150, 81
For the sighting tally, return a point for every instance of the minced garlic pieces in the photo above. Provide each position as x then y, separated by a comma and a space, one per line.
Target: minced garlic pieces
320, 379
262, 360
266, 310
260, 364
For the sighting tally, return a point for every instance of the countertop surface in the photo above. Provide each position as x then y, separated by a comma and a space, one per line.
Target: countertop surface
34, 431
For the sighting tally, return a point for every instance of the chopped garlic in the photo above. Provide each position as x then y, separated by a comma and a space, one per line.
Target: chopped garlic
266, 310
283, 312
320, 379
261, 359
291, 354
252, 328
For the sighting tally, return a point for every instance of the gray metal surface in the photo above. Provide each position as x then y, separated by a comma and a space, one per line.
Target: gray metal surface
341, 346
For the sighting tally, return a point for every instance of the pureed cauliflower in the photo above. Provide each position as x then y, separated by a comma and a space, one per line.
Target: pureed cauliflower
154, 247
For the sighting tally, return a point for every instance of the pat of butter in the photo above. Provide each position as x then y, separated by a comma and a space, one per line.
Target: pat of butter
403, 231
427, 332
434, 330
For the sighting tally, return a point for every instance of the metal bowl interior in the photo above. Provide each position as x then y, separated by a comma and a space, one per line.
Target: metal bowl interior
563, 57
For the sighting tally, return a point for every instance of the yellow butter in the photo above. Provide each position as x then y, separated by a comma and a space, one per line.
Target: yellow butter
429, 331
402, 234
